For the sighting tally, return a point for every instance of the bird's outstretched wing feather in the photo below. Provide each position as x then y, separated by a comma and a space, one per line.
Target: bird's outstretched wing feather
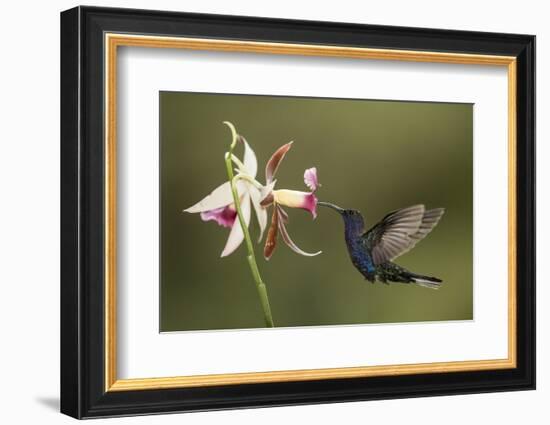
399, 231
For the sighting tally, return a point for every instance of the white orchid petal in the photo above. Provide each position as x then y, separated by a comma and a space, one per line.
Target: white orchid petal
261, 212
283, 214
236, 236
220, 197
290, 242
250, 162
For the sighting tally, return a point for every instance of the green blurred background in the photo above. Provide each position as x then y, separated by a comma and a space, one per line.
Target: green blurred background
375, 156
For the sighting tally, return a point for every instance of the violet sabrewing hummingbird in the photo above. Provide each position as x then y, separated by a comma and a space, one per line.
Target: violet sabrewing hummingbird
372, 252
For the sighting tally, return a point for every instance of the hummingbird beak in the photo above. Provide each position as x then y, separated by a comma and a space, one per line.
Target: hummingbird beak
334, 207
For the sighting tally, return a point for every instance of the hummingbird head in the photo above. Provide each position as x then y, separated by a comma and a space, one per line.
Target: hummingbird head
350, 214
353, 219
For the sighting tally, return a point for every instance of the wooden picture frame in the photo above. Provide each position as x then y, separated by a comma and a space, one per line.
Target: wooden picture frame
90, 39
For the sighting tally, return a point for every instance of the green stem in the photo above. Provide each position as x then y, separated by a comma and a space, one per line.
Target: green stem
249, 179
260, 285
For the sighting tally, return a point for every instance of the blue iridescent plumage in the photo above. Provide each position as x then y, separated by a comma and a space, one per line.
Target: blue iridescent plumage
372, 252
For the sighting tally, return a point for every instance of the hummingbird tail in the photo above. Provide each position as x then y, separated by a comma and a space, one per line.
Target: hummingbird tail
426, 281
391, 272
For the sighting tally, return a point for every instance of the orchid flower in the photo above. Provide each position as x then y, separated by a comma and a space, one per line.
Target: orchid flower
288, 198
229, 205
219, 205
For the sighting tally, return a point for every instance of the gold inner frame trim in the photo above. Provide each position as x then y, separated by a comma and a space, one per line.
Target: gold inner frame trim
113, 41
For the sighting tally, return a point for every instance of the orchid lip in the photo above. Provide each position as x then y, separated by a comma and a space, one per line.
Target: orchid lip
224, 216
296, 199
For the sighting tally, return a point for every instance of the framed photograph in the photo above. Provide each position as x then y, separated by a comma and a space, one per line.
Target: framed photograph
261, 212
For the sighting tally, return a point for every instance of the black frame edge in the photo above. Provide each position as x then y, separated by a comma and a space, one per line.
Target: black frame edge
70, 383
526, 211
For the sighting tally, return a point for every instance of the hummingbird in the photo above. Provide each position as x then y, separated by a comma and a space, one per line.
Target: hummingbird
372, 252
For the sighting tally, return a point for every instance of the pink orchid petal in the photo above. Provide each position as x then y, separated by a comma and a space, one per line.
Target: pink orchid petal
261, 212
236, 236
296, 199
271, 240
274, 161
220, 197
290, 242
249, 160
310, 179
224, 216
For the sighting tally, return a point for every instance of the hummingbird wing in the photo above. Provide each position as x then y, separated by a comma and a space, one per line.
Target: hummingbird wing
399, 231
